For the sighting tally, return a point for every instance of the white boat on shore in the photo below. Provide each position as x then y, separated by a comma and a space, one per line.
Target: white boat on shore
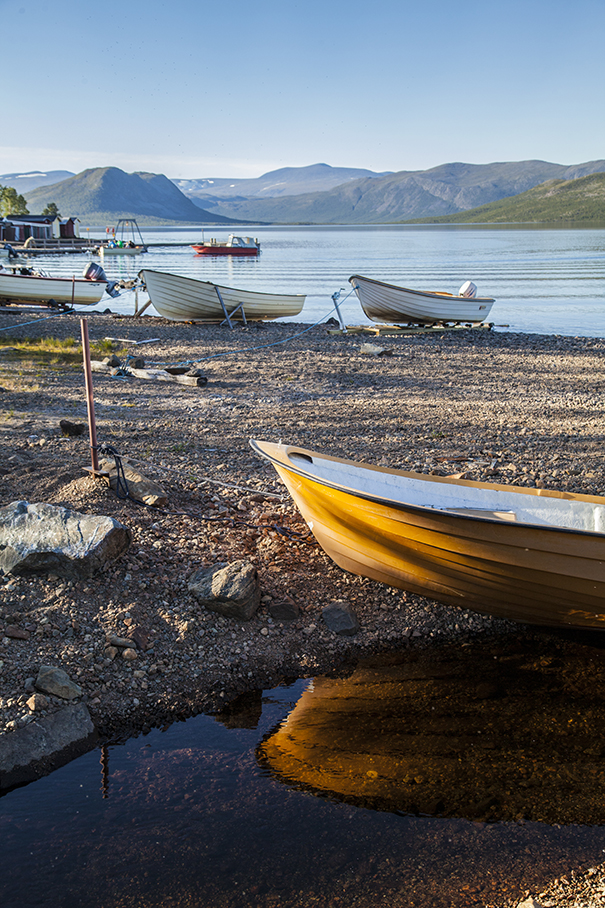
23, 285
390, 304
185, 299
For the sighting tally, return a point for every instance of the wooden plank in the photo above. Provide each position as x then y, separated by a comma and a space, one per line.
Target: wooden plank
193, 381
161, 375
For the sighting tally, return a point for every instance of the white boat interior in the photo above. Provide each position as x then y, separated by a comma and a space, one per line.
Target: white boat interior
438, 493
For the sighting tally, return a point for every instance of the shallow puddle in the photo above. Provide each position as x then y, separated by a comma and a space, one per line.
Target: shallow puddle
461, 776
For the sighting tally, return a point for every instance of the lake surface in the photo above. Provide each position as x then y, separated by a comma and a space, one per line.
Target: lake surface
549, 281
459, 777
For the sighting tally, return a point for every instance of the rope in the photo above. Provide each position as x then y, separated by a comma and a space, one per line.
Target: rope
285, 340
123, 492
45, 318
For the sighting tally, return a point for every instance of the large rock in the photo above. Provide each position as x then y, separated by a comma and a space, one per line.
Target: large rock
232, 590
55, 681
45, 538
46, 744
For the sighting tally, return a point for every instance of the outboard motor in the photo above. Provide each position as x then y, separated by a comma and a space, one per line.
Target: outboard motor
94, 272
469, 290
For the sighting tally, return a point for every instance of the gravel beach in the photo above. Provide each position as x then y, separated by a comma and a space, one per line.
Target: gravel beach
488, 405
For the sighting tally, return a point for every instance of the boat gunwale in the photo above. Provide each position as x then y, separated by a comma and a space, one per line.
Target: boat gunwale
195, 280
427, 509
48, 277
433, 294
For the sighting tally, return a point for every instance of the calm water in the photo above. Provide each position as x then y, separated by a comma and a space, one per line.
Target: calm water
451, 779
544, 281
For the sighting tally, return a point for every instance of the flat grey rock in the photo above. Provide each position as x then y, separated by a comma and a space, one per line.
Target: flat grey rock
55, 681
45, 744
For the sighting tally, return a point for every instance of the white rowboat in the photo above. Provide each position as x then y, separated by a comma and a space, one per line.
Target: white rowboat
389, 304
187, 299
41, 289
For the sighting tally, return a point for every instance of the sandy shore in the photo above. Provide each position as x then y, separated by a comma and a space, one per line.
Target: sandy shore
522, 409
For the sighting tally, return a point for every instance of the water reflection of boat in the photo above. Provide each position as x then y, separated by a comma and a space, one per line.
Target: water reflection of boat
519, 553
486, 733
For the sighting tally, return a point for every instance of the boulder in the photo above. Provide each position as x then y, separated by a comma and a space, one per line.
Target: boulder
55, 681
340, 618
45, 538
232, 590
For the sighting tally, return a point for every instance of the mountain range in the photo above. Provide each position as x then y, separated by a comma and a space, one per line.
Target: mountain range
25, 182
318, 194
388, 198
284, 182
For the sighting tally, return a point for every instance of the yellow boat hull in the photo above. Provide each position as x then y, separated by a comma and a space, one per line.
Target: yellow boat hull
542, 575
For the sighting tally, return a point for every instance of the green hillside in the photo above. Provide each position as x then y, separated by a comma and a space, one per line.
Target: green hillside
107, 193
573, 201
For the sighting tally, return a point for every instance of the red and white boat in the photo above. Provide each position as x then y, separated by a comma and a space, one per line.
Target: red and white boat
235, 245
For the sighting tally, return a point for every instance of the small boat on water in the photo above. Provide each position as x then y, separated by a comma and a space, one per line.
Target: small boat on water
114, 248
390, 304
519, 553
186, 299
23, 285
125, 239
235, 245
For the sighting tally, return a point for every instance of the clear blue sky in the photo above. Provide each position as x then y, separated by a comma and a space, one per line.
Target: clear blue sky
234, 89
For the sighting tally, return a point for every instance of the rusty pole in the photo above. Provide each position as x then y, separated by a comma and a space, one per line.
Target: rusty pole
92, 428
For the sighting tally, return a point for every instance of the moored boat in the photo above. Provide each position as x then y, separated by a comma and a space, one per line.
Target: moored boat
125, 239
188, 299
234, 245
519, 553
390, 304
116, 249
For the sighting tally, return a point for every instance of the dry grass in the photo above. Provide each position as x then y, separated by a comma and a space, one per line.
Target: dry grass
48, 351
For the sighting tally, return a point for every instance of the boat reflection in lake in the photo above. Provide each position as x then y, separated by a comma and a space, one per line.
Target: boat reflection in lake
186, 817
481, 733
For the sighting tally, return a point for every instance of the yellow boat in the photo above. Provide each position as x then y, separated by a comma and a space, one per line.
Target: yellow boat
525, 554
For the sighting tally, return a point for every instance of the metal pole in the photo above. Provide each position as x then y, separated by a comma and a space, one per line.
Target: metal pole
92, 428
335, 298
